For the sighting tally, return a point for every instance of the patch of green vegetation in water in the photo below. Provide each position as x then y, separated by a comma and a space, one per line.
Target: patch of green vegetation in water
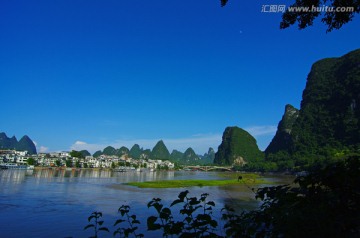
231, 179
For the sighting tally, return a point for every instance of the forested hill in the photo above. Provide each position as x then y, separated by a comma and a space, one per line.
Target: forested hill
328, 123
238, 147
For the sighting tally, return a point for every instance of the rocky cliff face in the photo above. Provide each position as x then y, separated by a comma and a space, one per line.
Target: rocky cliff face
237, 147
282, 139
25, 143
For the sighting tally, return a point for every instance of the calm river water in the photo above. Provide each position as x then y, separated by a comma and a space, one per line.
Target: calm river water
56, 203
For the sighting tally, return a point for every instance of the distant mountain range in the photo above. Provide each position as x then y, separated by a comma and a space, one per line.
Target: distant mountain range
160, 152
25, 143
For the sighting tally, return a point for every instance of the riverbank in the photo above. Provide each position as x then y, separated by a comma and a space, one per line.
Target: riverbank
65, 168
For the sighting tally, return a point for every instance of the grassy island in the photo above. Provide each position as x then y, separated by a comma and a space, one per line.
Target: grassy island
247, 179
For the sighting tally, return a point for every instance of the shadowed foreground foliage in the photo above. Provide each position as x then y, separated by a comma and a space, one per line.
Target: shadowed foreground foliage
323, 203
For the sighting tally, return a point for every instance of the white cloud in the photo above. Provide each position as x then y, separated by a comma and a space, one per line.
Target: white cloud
200, 143
40, 149
262, 134
80, 143
43, 149
256, 131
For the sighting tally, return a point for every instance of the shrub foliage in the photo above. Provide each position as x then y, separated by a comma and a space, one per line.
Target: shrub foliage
325, 202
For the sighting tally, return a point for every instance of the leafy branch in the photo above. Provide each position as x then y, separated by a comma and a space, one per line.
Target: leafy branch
130, 219
97, 225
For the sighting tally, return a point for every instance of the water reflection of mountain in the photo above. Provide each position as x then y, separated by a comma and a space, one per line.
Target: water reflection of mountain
13, 176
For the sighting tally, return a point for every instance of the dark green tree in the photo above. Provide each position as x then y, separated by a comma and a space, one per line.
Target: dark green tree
58, 163
31, 161
324, 203
332, 19
79, 154
69, 163
77, 164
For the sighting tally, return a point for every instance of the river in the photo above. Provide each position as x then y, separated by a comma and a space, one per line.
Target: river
56, 203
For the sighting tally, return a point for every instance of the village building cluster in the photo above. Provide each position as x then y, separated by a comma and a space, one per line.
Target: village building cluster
64, 159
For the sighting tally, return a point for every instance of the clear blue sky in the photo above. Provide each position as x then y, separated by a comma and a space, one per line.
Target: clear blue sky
84, 74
